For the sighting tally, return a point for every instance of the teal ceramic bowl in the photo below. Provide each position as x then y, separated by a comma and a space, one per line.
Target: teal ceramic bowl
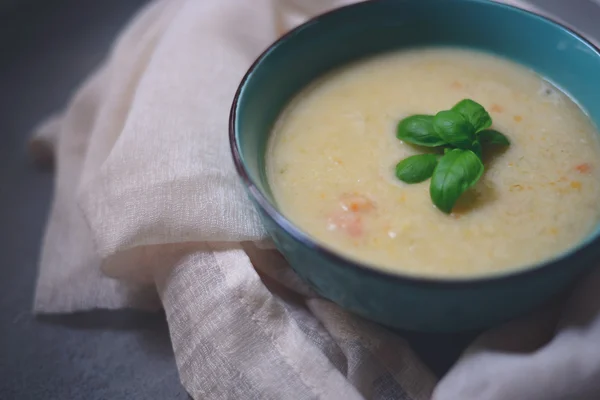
365, 29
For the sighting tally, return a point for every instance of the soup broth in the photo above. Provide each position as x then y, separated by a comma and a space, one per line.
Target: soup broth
332, 154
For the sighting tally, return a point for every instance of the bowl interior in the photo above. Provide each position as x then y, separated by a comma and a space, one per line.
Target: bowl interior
372, 27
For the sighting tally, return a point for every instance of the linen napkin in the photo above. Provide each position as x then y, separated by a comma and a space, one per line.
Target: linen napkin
148, 212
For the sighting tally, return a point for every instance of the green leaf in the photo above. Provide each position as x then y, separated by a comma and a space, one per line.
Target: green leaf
418, 129
455, 173
477, 149
474, 113
491, 136
454, 129
417, 168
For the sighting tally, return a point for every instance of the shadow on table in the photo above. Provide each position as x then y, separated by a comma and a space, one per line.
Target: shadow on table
439, 351
152, 326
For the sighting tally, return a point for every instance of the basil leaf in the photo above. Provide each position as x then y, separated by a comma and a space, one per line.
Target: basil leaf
490, 136
417, 168
456, 172
454, 129
477, 149
418, 130
474, 113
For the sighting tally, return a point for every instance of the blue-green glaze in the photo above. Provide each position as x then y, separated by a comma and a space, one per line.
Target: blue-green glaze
376, 26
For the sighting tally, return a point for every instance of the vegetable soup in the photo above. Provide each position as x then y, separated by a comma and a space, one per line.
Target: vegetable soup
437, 162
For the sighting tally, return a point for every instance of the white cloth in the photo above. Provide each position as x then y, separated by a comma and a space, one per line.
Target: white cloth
148, 210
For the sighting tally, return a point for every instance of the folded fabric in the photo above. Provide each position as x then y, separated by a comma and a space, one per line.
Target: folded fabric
149, 212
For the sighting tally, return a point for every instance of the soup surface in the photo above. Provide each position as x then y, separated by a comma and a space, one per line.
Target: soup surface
331, 160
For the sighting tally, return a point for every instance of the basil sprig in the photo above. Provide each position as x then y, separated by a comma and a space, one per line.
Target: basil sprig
490, 136
455, 129
461, 132
418, 130
456, 172
474, 113
417, 168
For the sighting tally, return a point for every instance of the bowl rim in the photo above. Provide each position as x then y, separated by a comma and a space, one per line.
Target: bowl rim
583, 251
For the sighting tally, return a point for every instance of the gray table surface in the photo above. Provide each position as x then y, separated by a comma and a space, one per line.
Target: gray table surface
47, 48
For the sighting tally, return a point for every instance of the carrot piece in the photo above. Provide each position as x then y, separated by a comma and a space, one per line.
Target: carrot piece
584, 168
356, 203
350, 223
497, 108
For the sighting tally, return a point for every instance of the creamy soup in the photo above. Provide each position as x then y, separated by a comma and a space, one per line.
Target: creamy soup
332, 155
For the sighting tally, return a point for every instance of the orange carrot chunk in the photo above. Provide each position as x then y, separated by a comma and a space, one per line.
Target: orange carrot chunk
350, 223
584, 168
356, 203
497, 108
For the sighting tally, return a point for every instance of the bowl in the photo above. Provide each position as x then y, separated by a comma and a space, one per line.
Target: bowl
365, 29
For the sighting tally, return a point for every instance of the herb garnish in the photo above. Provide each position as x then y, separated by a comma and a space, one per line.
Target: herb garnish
461, 132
